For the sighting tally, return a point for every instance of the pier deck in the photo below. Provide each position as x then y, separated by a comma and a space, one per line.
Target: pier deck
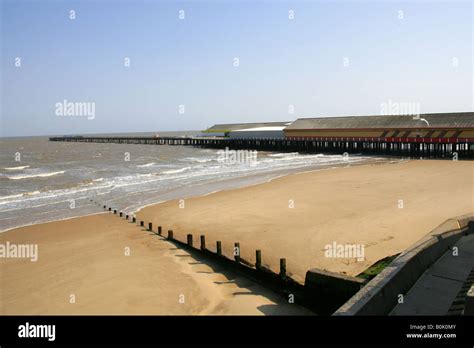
413, 147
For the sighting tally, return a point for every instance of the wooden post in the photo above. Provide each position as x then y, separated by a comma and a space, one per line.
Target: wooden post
203, 242
258, 259
150, 226
126, 217
110, 209
470, 227
121, 214
134, 219
237, 252
283, 268
170, 234
142, 223
115, 211
105, 207
469, 304
190, 240
159, 230
219, 248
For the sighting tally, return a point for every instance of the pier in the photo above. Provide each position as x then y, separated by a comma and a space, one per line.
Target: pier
452, 148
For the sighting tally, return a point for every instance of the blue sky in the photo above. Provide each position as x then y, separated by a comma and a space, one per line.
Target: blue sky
425, 58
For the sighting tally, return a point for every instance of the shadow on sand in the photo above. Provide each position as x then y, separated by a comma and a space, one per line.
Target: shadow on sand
281, 304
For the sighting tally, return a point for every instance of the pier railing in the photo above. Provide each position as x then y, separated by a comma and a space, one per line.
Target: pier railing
412, 147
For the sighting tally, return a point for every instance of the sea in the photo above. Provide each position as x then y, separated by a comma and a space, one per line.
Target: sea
42, 181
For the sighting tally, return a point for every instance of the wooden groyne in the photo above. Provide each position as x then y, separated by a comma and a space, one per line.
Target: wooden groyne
410, 147
322, 292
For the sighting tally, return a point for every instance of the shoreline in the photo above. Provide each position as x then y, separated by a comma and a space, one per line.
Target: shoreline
286, 172
51, 221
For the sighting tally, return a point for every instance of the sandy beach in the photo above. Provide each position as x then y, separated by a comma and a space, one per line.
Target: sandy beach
86, 258
385, 207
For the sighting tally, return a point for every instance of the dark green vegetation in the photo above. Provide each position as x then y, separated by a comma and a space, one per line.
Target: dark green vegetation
376, 268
